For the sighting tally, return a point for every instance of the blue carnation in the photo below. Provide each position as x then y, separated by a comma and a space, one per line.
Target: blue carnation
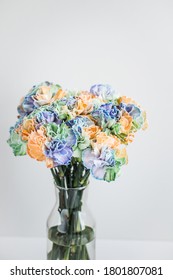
59, 152
98, 162
48, 116
104, 91
69, 101
131, 109
106, 113
78, 123
29, 104
110, 111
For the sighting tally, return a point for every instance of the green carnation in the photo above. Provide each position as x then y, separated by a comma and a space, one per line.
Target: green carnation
17, 144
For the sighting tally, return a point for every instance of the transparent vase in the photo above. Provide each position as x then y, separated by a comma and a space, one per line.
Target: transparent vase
70, 226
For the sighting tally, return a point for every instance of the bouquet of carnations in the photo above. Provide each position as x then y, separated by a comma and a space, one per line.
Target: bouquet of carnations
76, 133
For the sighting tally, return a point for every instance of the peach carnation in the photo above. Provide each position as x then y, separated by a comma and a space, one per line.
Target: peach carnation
92, 131
126, 123
84, 103
35, 145
111, 141
27, 127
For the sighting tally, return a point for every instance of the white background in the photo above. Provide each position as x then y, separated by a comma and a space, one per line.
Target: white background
128, 44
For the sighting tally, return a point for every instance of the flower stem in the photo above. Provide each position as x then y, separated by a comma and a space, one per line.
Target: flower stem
73, 176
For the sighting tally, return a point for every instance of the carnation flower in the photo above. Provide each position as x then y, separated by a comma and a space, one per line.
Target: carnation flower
102, 139
58, 95
27, 127
126, 123
38, 96
78, 123
46, 93
35, 145
84, 103
68, 101
133, 111
92, 131
98, 161
106, 92
17, 144
59, 152
48, 116
107, 115
28, 105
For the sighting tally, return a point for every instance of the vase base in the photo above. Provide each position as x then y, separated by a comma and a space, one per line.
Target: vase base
73, 246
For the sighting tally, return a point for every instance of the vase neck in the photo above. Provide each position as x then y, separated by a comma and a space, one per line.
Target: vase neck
71, 203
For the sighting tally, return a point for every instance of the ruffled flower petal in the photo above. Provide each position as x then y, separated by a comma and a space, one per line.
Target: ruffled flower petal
17, 144
106, 92
88, 158
58, 151
35, 145
98, 172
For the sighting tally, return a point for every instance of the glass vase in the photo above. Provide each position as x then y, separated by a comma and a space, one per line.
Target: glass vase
70, 226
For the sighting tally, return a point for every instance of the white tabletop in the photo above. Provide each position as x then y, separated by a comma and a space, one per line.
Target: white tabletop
35, 249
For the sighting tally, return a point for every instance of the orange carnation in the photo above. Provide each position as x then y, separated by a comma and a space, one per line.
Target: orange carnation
126, 123
43, 95
84, 103
111, 141
27, 128
92, 131
35, 145
60, 94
